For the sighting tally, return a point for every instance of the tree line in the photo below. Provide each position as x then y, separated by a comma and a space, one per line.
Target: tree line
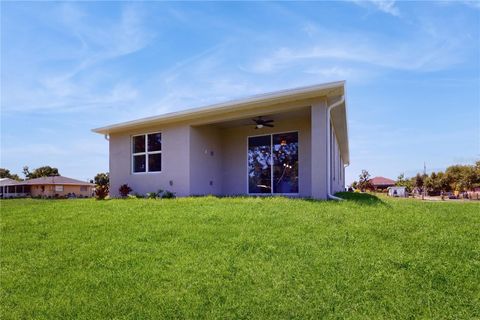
456, 178
45, 171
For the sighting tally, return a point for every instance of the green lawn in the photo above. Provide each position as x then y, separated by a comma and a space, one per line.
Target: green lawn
272, 258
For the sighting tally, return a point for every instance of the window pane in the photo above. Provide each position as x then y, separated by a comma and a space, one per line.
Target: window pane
259, 165
155, 142
285, 163
139, 163
155, 162
138, 144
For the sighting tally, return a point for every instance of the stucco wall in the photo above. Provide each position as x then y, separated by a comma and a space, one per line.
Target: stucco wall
205, 160
319, 149
175, 162
49, 191
187, 159
234, 148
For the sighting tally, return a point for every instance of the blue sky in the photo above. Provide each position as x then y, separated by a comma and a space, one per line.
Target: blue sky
412, 72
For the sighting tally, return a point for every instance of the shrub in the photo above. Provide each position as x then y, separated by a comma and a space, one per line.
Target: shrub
165, 194
124, 190
151, 195
101, 192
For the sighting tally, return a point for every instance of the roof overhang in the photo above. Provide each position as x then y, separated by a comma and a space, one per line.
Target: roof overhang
330, 91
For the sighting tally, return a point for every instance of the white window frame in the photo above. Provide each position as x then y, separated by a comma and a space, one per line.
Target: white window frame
146, 153
58, 188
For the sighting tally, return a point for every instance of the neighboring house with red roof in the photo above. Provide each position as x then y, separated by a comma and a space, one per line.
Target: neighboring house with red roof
50, 187
381, 183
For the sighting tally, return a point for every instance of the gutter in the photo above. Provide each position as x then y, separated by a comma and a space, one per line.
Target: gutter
329, 148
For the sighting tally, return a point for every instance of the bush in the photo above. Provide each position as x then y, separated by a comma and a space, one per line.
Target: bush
101, 192
124, 190
151, 195
165, 194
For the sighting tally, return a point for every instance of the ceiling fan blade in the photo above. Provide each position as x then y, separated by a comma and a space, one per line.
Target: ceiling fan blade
267, 121
268, 125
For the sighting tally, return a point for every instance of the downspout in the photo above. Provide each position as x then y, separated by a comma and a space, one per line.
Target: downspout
329, 148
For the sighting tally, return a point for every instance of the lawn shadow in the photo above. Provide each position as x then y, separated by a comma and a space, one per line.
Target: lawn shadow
361, 198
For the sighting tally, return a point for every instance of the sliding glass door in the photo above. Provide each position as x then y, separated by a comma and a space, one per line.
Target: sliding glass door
273, 163
260, 164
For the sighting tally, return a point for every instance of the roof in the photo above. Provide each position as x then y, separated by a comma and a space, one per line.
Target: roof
56, 180
8, 182
331, 91
382, 181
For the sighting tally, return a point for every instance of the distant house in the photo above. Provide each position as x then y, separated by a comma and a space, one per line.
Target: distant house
397, 191
381, 183
10, 188
292, 143
50, 187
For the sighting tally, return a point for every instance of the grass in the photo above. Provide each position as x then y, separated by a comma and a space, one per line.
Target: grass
239, 258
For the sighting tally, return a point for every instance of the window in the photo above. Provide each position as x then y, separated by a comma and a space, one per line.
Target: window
147, 153
273, 163
83, 188
58, 188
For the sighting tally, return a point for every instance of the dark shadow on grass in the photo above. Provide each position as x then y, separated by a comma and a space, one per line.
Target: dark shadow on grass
358, 198
361, 198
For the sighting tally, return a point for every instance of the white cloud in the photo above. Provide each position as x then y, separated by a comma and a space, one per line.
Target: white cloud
386, 6
429, 49
79, 80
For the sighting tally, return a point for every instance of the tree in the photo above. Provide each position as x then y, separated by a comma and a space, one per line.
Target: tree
463, 177
101, 179
404, 182
364, 181
45, 171
5, 173
455, 178
102, 185
419, 179
442, 182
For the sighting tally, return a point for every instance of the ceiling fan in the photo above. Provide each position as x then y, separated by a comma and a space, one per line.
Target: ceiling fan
260, 123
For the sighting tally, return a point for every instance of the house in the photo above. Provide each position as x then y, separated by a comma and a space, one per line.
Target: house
292, 142
50, 187
381, 183
397, 191
10, 188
